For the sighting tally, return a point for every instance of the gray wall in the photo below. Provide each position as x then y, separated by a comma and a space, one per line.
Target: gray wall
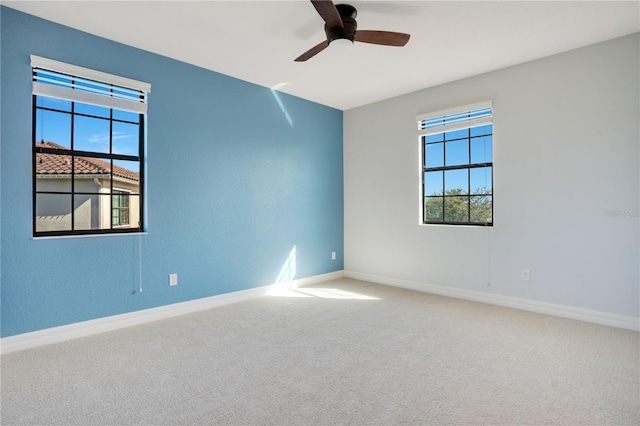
566, 184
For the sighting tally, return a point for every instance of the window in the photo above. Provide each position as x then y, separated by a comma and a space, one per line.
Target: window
120, 208
457, 165
88, 150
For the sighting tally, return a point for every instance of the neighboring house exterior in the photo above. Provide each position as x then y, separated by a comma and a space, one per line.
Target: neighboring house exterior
102, 196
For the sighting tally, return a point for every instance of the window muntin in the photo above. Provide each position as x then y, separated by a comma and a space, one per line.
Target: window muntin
88, 154
457, 166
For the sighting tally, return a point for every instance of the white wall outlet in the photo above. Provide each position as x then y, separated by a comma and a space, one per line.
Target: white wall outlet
525, 274
173, 279
333, 255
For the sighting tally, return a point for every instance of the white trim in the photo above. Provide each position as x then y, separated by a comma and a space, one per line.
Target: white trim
596, 317
467, 124
115, 234
68, 94
454, 110
101, 325
50, 64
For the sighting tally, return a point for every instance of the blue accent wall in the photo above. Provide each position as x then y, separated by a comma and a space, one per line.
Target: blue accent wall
237, 175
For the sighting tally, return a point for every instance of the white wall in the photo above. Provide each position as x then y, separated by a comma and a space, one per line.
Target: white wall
566, 184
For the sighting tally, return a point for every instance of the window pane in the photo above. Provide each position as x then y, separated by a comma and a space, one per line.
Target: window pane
125, 138
120, 208
481, 130
457, 134
124, 92
115, 216
134, 211
53, 212
53, 172
126, 175
97, 211
53, 127
481, 150
91, 134
480, 180
89, 86
456, 209
457, 152
434, 155
126, 116
125, 210
433, 209
438, 137
54, 80
87, 211
433, 183
59, 104
456, 182
481, 209
92, 110
92, 174
115, 200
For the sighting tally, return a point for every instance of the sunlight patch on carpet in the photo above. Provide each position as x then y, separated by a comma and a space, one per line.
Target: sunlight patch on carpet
324, 293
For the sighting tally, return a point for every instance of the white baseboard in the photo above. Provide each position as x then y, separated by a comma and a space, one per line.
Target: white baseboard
603, 318
88, 328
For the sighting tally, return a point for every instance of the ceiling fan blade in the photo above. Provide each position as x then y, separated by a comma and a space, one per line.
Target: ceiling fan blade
387, 38
328, 12
313, 51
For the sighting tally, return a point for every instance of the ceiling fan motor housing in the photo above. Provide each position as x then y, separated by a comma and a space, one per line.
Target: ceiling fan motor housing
348, 14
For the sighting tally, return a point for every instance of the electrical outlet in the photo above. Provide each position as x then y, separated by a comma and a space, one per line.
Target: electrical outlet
333, 255
525, 274
173, 279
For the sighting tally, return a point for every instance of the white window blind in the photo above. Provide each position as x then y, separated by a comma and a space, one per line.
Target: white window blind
448, 120
59, 80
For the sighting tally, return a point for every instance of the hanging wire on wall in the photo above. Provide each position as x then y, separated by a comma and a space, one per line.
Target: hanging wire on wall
139, 260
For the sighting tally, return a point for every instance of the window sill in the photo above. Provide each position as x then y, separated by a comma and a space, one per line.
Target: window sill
458, 225
57, 237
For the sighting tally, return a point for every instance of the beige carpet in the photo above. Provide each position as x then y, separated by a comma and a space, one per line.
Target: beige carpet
343, 352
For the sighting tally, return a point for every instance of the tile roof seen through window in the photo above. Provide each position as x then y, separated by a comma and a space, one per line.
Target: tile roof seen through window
52, 164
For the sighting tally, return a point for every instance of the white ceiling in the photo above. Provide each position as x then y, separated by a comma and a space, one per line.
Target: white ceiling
257, 41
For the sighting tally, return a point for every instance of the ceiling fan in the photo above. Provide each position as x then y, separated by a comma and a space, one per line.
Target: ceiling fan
340, 24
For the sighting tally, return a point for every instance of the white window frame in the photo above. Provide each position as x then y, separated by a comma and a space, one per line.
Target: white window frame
449, 120
59, 80
133, 103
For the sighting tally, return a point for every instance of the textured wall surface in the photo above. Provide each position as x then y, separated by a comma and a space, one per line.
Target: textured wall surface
237, 176
566, 184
